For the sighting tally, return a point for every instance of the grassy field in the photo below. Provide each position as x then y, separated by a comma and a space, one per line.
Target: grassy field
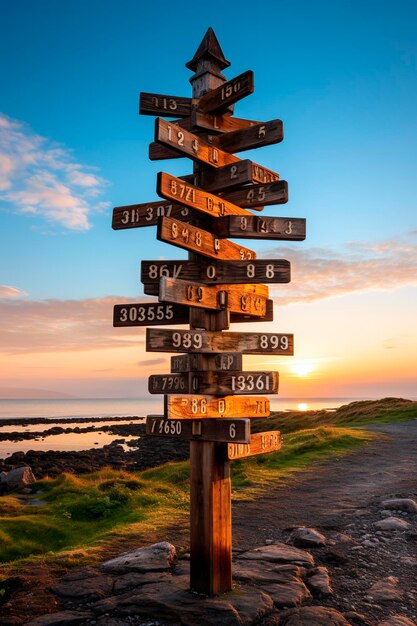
78, 512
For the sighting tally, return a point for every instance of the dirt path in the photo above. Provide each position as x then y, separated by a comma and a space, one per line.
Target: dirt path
332, 494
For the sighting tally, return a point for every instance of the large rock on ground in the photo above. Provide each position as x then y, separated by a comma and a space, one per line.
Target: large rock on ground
19, 477
158, 557
279, 553
307, 538
173, 601
393, 523
85, 584
401, 504
313, 616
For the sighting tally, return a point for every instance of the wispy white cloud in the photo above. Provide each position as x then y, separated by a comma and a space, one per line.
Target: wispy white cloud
11, 293
318, 273
42, 178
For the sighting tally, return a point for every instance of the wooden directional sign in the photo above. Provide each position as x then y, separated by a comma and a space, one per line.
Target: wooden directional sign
225, 361
240, 383
216, 123
226, 430
257, 227
187, 144
173, 188
146, 214
166, 340
220, 99
158, 104
217, 383
149, 314
234, 175
198, 406
216, 272
260, 443
246, 299
199, 240
259, 195
262, 134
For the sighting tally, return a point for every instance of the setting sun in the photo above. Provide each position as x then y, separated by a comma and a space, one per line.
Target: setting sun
303, 368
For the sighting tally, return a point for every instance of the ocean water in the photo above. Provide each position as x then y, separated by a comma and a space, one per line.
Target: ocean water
125, 407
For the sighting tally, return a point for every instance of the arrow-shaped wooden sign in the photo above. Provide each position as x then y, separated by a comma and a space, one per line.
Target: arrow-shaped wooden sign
256, 136
260, 443
216, 383
224, 362
159, 104
198, 240
245, 299
147, 213
226, 430
174, 188
260, 227
259, 195
198, 406
216, 272
216, 123
228, 93
166, 340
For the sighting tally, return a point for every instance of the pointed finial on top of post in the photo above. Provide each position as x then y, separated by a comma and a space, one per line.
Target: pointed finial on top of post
207, 64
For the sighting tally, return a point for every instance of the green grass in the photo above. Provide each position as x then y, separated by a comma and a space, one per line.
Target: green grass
354, 414
82, 511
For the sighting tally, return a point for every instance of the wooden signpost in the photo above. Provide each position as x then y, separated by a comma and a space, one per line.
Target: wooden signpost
209, 398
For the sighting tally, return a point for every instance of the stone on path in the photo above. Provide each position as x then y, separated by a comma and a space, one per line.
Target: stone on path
159, 556
307, 538
278, 553
397, 620
63, 618
401, 504
385, 590
318, 582
393, 523
313, 616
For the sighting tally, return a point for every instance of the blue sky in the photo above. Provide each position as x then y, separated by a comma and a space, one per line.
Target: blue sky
341, 75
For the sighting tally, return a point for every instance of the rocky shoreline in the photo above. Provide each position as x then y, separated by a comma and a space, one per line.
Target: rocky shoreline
144, 452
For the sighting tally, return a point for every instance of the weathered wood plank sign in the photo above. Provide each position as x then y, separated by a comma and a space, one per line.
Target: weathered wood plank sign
209, 398
226, 430
204, 406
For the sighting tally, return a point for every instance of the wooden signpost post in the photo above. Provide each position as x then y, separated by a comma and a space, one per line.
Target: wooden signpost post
208, 398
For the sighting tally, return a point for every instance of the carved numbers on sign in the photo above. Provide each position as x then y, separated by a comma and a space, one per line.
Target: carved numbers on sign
165, 340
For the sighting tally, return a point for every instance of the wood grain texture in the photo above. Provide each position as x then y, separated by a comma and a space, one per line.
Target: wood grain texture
260, 443
166, 340
197, 362
146, 214
214, 383
245, 299
219, 99
224, 430
160, 104
208, 406
234, 175
256, 136
216, 272
149, 314
198, 240
259, 195
217, 123
188, 144
261, 227
173, 188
